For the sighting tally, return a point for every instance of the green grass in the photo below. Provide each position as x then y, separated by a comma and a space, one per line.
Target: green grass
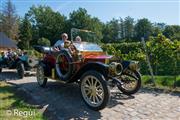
12, 107
162, 81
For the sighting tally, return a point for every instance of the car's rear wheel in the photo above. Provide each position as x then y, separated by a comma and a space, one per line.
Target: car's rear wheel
20, 69
94, 90
41, 79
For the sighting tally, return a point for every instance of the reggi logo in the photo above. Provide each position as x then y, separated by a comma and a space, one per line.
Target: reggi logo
16, 112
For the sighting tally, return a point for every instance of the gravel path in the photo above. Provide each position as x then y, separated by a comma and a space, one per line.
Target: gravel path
65, 102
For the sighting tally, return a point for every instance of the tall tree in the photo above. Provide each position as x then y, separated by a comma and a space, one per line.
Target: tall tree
121, 31
25, 34
82, 20
158, 28
111, 31
129, 27
143, 28
172, 32
9, 20
46, 23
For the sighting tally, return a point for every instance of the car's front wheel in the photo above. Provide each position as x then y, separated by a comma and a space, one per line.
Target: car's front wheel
41, 79
131, 83
95, 90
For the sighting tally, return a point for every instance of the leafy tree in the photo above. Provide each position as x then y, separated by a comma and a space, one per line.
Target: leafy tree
168, 31
9, 21
1, 22
143, 28
121, 31
161, 26
44, 42
172, 32
111, 31
163, 54
157, 28
25, 34
82, 20
129, 27
46, 23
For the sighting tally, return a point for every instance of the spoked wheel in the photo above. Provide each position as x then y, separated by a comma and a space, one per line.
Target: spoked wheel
20, 70
41, 79
94, 89
64, 65
131, 83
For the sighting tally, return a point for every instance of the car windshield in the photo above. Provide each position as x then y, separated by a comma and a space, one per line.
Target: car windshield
85, 46
85, 35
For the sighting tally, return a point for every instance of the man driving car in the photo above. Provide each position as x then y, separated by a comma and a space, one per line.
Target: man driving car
62, 43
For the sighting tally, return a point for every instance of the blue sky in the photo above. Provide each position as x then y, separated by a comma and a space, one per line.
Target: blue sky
167, 11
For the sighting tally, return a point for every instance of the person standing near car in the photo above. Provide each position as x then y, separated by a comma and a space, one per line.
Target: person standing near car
2, 58
62, 43
9, 54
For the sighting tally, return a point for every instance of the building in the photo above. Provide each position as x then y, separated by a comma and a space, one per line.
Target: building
6, 43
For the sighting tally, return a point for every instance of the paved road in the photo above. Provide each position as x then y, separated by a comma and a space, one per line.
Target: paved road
65, 102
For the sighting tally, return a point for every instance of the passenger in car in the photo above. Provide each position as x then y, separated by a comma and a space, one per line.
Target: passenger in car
78, 39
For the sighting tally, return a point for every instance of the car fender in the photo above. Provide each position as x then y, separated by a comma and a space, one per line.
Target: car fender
96, 66
47, 70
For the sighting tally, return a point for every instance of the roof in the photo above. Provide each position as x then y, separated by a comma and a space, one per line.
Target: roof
6, 42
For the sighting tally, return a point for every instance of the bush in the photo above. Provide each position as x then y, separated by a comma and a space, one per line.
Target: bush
128, 51
163, 54
44, 42
34, 54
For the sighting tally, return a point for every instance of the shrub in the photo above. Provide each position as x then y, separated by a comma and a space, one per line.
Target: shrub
44, 42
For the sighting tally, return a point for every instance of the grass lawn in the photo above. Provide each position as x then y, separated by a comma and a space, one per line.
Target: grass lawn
162, 81
13, 107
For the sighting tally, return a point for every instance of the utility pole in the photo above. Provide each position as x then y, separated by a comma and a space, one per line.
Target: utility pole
148, 61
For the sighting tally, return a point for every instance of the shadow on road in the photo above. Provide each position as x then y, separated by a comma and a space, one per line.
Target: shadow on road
64, 101
11, 75
8, 75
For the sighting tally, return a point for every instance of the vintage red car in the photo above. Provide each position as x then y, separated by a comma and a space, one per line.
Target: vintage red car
92, 68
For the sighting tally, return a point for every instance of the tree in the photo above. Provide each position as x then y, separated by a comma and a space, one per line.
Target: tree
44, 42
111, 31
172, 32
9, 20
82, 20
1, 22
46, 23
129, 27
143, 28
163, 55
121, 31
169, 31
25, 34
156, 30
